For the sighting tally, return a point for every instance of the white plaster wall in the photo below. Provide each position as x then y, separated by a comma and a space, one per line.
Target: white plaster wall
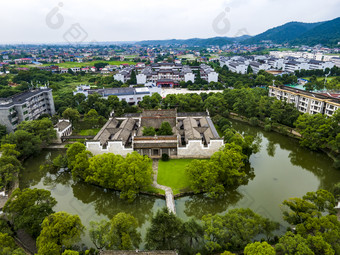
119, 77
213, 76
115, 147
195, 149
189, 77
141, 78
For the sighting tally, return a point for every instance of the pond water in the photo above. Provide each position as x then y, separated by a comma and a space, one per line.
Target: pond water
282, 170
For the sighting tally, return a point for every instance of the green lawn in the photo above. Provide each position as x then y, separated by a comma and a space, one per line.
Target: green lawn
92, 131
172, 174
151, 189
320, 78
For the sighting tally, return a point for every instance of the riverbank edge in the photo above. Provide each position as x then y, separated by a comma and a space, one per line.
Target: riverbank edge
280, 129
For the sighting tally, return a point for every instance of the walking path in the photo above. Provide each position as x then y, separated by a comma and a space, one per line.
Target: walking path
169, 196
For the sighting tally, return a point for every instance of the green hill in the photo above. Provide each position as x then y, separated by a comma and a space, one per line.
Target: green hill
283, 34
327, 33
220, 41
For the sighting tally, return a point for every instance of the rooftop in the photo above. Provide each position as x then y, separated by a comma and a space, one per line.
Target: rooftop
21, 98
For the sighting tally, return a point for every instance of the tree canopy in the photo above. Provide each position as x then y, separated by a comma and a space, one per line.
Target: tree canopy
226, 168
59, 230
27, 208
234, 230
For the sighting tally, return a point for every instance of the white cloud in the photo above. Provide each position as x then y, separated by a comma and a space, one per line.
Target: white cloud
107, 20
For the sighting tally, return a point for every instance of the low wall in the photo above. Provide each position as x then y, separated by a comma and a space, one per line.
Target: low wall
115, 147
195, 149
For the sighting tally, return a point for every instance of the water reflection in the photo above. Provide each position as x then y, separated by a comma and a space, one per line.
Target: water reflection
108, 203
271, 148
316, 162
198, 205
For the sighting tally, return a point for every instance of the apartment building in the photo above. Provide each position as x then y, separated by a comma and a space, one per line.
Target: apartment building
25, 106
306, 102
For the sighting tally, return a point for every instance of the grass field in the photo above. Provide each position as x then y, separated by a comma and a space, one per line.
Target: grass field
84, 64
320, 78
172, 174
92, 131
188, 56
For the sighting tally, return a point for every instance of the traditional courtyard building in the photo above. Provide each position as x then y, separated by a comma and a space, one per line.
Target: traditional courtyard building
194, 135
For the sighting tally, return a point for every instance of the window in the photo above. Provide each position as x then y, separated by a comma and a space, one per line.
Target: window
25, 112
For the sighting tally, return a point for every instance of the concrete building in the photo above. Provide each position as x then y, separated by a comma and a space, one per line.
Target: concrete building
63, 128
168, 75
257, 66
194, 135
131, 95
316, 64
306, 102
336, 61
292, 66
25, 106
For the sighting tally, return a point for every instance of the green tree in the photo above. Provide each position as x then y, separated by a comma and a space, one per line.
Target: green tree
27, 208
8, 246
336, 190
3, 131
315, 130
72, 152
26, 143
42, 128
59, 230
249, 70
327, 227
292, 244
234, 230
129, 175
133, 78
258, 248
224, 169
10, 166
72, 115
123, 233
311, 205
100, 234
149, 131
164, 232
93, 119
323, 199
81, 165
70, 252
165, 129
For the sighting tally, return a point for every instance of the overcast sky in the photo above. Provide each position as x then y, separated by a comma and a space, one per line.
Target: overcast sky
50, 21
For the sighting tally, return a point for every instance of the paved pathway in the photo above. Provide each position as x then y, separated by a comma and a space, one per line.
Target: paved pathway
169, 196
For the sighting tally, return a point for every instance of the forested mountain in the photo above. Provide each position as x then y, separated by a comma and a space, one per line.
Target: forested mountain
284, 33
220, 41
295, 33
327, 33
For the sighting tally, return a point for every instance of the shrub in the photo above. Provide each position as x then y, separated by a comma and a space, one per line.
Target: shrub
268, 127
165, 157
254, 121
